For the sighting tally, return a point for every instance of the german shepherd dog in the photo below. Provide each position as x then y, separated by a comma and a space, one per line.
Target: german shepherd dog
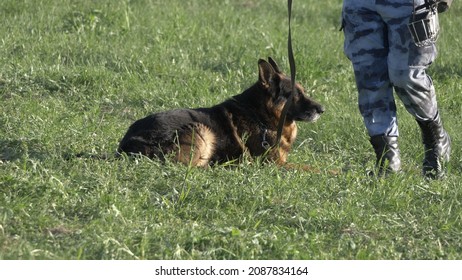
244, 124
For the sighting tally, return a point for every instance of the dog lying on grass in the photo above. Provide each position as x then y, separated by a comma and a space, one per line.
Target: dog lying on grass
244, 124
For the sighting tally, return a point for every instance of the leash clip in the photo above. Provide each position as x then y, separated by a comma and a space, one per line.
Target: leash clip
265, 144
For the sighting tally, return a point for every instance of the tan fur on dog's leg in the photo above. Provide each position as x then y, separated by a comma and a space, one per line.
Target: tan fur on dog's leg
196, 146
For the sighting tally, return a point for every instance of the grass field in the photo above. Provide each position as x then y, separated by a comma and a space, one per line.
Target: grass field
75, 74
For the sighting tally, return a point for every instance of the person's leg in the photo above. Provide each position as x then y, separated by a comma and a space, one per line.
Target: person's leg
407, 71
367, 47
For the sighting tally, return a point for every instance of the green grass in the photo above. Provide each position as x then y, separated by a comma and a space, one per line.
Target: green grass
75, 74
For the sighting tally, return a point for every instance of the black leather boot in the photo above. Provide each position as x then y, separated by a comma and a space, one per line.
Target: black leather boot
437, 145
387, 153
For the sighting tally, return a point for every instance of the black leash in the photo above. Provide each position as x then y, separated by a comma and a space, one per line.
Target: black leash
292, 77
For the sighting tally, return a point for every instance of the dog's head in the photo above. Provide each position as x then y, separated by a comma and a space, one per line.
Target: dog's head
278, 88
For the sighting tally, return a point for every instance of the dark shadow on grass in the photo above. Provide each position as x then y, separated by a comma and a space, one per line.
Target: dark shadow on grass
11, 150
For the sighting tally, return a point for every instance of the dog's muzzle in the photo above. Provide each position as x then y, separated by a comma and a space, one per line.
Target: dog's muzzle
310, 116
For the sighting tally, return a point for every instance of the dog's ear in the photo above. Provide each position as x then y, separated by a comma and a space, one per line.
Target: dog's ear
266, 72
274, 64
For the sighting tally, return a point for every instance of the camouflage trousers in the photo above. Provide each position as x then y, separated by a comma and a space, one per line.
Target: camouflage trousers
384, 58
